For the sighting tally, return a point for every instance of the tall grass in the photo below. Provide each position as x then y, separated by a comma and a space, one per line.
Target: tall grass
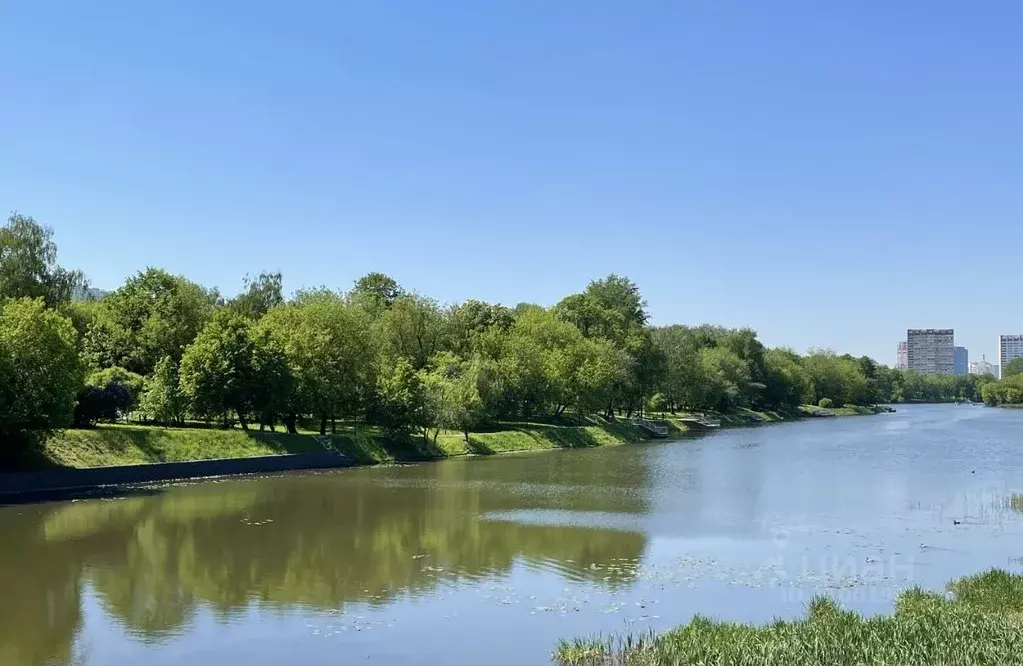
982, 623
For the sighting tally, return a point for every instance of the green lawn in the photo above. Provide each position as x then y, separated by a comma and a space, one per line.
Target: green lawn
982, 623
133, 444
528, 436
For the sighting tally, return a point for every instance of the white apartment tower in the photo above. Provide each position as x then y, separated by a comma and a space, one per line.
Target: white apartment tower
930, 351
902, 356
1009, 347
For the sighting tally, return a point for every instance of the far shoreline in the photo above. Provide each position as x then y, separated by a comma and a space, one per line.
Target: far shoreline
71, 482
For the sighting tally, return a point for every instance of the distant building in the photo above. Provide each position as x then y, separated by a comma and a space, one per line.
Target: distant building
930, 351
983, 367
81, 293
902, 356
1009, 347
960, 360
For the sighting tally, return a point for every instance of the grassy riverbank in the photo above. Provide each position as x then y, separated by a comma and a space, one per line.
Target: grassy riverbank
108, 445
982, 623
745, 417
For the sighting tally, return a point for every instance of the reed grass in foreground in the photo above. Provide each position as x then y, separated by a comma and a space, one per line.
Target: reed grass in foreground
982, 623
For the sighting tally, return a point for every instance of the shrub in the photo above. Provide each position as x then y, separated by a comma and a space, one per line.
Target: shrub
133, 382
108, 395
825, 403
102, 403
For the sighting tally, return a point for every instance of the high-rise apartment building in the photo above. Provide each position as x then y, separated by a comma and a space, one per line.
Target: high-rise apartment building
1009, 347
930, 351
983, 367
960, 360
901, 356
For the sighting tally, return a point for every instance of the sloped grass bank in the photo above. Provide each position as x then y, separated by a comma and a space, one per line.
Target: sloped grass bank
108, 445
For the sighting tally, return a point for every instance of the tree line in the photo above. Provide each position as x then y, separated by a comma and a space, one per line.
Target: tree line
167, 350
1008, 391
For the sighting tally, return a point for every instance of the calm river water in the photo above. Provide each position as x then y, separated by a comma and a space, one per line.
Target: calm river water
491, 560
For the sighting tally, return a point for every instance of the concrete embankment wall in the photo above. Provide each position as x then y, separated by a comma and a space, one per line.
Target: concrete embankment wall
55, 483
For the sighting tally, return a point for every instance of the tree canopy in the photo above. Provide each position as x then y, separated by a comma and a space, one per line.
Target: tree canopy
155, 314
329, 352
40, 374
259, 295
28, 264
1013, 367
164, 349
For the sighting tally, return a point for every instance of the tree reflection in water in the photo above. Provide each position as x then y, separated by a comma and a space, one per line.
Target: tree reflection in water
319, 541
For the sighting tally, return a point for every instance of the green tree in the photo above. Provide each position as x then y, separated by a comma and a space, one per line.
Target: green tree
590, 317
683, 383
724, 374
103, 340
990, 394
161, 398
472, 320
261, 293
454, 385
744, 344
889, 383
1008, 391
824, 377
40, 374
82, 315
377, 291
598, 372
548, 365
856, 389
612, 309
217, 369
1013, 367
620, 295
785, 381
272, 380
330, 353
28, 263
415, 329
400, 399
155, 314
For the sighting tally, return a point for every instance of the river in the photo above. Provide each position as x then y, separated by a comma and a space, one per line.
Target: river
492, 560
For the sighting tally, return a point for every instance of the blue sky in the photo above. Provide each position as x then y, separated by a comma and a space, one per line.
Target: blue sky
828, 173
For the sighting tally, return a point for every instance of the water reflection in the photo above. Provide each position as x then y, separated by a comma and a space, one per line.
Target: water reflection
493, 560
41, 606
314, 540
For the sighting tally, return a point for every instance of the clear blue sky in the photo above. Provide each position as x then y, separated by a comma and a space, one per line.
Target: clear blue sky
829, 173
